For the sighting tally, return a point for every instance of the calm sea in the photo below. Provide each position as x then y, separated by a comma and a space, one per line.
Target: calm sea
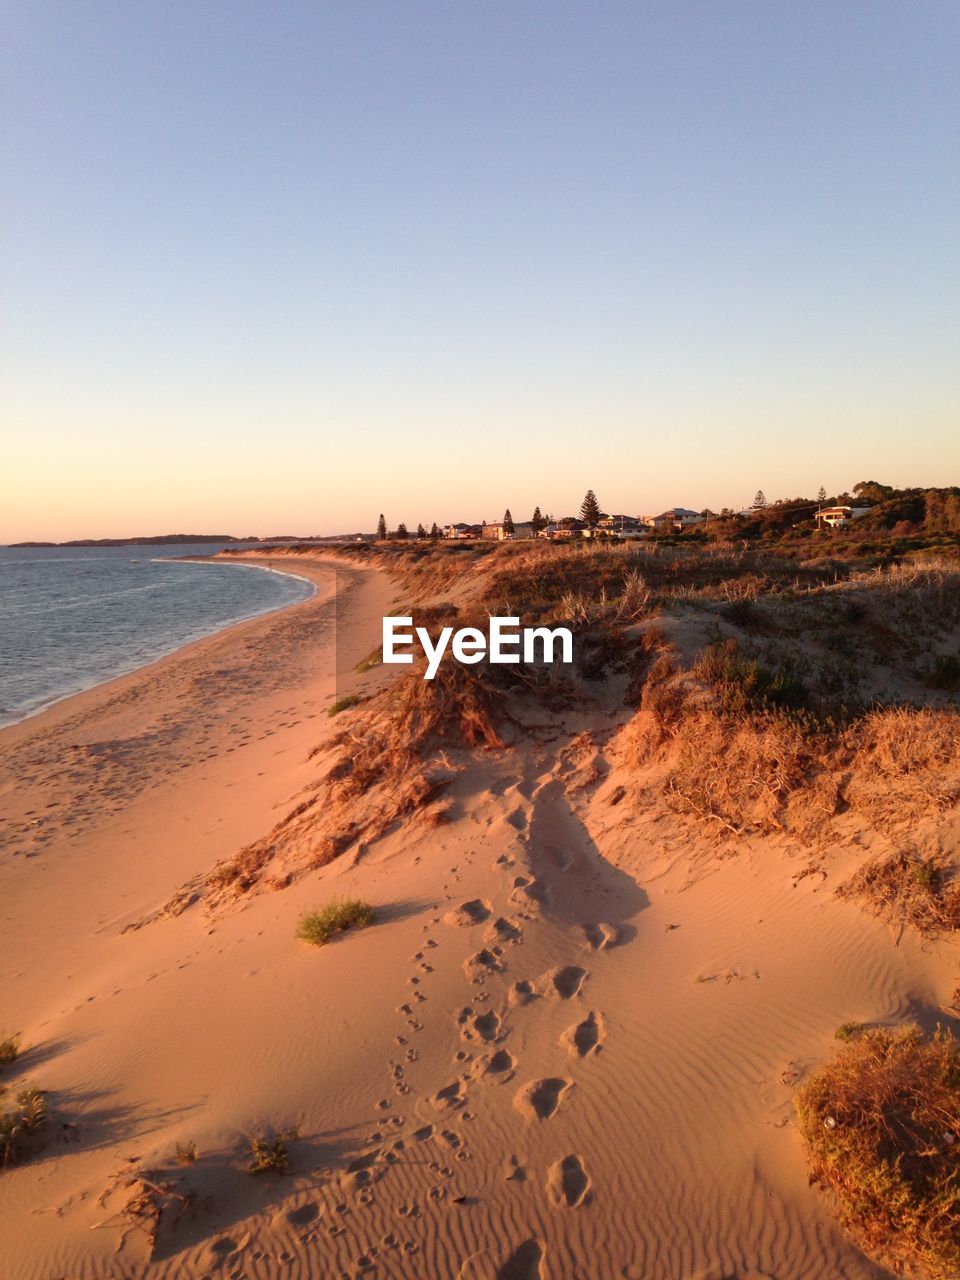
72, 617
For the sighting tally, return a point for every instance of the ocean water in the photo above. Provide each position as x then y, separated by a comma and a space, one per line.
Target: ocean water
73, 617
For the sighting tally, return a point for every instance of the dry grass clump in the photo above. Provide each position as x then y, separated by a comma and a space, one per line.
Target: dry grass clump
460, 707
21, 1125
907, 763
746, 776
9, 1049
881, 1126
906, 888
318, 927
151, 1199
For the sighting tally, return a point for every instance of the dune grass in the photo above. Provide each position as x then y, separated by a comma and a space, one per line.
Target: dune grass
345, 703
850, 1030
9, 1049
906, 888
20, 1125
318, 927
881, 1125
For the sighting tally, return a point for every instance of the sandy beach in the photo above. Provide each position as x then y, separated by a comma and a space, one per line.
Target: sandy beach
567, 1047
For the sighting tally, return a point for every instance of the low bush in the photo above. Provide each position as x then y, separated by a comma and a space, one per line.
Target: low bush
849, 1030
345, 703
20, 1125
318, 927
906, 888
743, 684
269, 1153
881, 1127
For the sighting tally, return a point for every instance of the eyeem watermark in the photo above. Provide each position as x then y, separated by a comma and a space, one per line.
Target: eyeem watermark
505, 642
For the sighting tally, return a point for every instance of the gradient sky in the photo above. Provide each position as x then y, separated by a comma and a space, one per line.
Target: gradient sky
274, 268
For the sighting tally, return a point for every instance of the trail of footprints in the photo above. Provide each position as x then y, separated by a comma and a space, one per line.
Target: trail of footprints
483, 1059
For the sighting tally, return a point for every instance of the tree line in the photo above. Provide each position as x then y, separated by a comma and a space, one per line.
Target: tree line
590, 514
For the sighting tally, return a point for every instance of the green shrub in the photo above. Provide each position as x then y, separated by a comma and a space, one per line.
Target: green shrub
744, 684
269, 1153
850, 1030
344, 704
320, 926
373, 659
881, 1126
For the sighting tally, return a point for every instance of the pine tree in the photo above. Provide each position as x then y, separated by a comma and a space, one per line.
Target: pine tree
759, 501
507, 522
434, 531
536, 521
590, 510
401, 531
381, 529
421, 531
822, 495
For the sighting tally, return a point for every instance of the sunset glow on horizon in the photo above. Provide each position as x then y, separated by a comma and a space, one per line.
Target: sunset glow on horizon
273, 272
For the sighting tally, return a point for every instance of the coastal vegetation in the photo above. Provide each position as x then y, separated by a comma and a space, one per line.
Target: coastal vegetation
270, 1152
344, 704
798, 689
21, 1123
881, 1128
318, 927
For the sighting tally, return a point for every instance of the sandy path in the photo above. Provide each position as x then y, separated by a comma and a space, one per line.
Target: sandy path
515, 1073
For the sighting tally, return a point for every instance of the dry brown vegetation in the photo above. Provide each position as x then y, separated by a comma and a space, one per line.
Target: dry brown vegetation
21, 1125
755, 734
148, 1200
907, 888
881, 1125
772, 693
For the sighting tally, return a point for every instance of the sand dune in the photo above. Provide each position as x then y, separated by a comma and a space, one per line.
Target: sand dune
567, 1047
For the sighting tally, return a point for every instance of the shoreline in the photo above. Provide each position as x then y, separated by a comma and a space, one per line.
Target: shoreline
116, 741
60, 699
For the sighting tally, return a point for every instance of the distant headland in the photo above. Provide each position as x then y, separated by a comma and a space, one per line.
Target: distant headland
126, 542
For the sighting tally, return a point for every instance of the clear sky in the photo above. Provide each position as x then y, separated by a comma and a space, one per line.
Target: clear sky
277, 267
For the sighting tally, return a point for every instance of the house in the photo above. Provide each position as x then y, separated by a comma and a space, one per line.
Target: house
568, 527
521, 529
835, 517
461, 530
676, 518
621, 526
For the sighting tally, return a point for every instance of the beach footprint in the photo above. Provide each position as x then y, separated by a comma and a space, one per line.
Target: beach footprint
568, 1185
540, 1099
601, 936
565, 981
524, 1263
469, 913
586, 1037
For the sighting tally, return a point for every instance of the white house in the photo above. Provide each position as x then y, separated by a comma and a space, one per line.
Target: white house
835, 517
